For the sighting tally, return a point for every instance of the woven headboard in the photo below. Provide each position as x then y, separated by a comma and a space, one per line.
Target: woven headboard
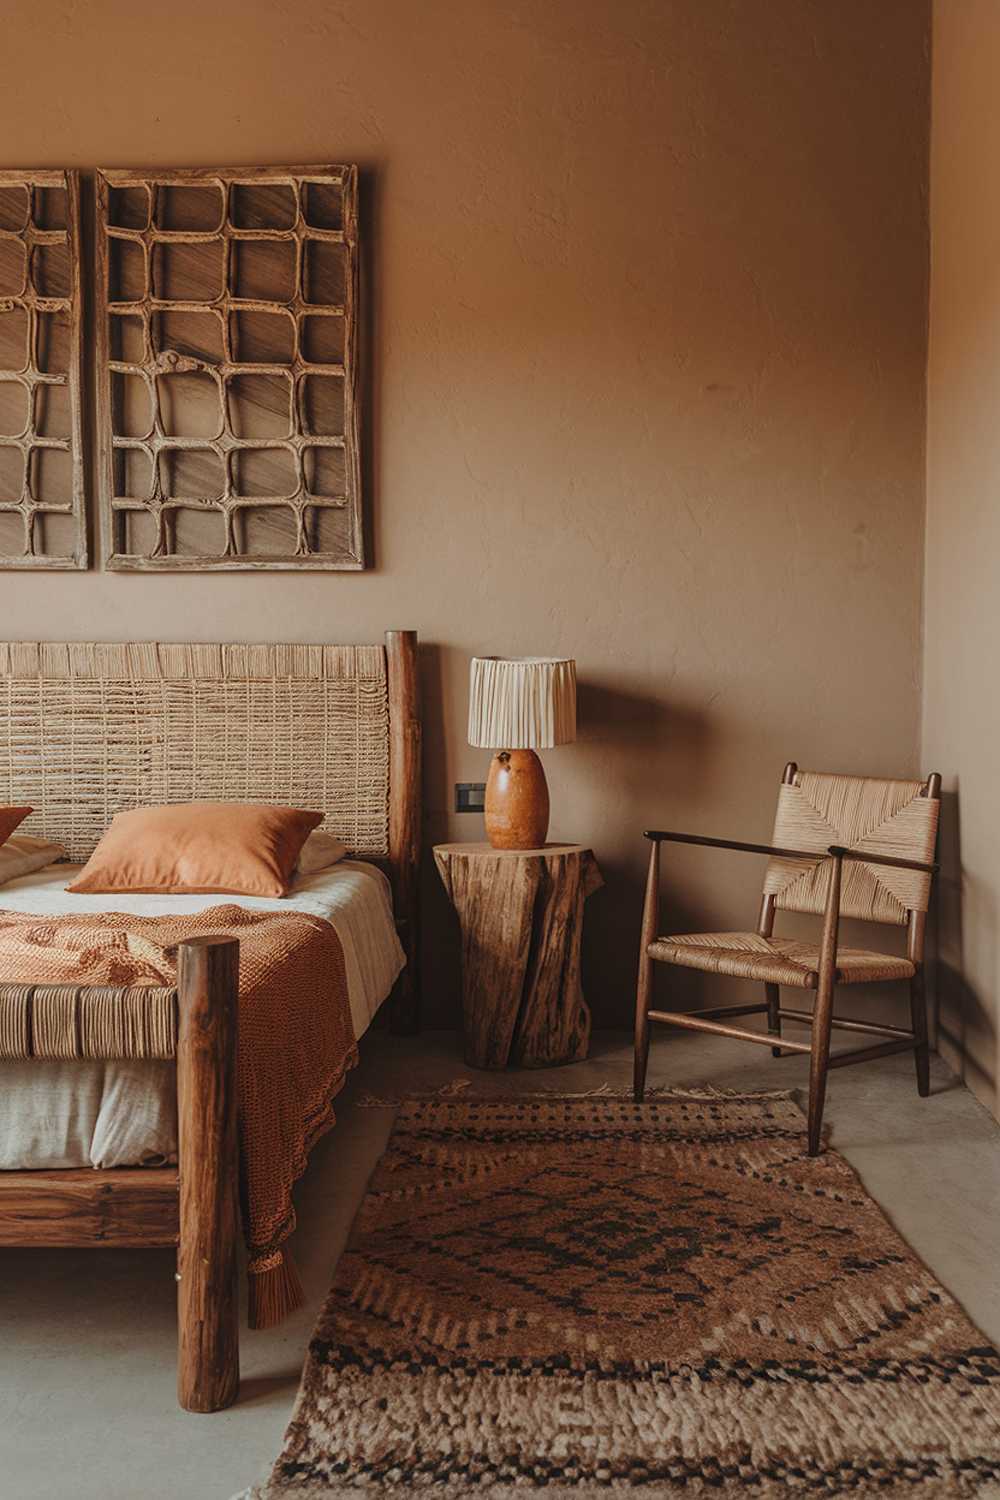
86, 730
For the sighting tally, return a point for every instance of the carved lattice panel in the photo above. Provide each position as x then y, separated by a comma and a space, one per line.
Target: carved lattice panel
227, 333
42, 497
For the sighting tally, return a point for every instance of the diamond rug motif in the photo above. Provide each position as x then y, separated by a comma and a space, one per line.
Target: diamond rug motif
584, 1296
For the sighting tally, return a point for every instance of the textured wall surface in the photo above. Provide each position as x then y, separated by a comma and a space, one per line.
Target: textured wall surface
961, 730
647, 294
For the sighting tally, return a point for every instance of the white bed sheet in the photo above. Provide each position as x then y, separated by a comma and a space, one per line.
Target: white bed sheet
114, 1114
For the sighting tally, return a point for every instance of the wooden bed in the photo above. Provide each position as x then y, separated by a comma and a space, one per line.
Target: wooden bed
88, 729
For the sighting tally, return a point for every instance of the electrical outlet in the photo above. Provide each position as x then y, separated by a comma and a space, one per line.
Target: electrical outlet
470, 796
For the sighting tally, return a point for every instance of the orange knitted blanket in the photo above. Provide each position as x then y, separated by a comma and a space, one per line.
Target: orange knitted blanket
296, 1042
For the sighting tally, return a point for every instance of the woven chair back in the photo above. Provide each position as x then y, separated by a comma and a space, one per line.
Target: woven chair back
894, 818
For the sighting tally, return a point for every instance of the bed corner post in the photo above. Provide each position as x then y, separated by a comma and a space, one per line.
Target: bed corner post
404, 817
208, 1360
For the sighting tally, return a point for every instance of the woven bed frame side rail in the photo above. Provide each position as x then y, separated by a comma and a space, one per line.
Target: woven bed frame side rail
103, 1022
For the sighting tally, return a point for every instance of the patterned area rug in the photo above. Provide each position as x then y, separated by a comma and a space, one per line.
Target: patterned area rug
584, 1296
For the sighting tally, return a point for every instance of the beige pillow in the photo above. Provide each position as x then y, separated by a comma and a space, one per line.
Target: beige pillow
22, 854
235, 848
319, 852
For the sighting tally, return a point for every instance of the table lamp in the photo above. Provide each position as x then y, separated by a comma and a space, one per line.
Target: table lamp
517, 706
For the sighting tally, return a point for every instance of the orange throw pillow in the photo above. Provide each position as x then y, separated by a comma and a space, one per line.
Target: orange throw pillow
236, 848
11, 818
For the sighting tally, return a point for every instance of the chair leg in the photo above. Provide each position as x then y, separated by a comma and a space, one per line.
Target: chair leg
642, 997
818, 1064
644, 983
918, 1020
773, 994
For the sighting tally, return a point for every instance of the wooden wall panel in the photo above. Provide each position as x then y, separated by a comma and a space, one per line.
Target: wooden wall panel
42, 493
228, 383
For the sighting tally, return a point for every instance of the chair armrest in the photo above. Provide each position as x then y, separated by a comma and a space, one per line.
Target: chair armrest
882, 859
658, 835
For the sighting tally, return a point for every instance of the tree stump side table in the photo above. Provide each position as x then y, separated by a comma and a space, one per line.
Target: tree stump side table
521, 915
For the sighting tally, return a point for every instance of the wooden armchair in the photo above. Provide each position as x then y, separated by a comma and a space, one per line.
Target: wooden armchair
843, 846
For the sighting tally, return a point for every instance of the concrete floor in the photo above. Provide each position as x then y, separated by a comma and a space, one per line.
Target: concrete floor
87, 1405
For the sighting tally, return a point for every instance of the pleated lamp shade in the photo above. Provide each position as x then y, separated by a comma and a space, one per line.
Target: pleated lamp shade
522, 703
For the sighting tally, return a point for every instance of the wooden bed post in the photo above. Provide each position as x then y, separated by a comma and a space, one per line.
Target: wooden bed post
404, 817
208, 1362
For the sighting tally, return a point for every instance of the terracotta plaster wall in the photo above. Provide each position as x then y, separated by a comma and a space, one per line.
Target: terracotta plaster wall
961, 726
647, 294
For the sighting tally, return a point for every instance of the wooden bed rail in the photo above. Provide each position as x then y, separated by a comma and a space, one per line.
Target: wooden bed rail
194, 1206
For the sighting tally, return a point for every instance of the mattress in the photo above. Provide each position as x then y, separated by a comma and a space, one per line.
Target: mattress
116, 1114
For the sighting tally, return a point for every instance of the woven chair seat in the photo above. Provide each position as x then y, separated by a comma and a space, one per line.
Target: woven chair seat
745, 955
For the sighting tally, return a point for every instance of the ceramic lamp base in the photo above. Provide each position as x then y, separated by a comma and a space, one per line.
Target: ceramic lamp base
517, 801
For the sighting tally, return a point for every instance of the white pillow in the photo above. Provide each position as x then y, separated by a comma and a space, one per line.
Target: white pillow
319, 852
22, 854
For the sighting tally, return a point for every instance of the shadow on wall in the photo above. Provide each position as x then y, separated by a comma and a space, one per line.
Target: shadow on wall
432, 712
440, 942
965, 1027
607, 715
635, 727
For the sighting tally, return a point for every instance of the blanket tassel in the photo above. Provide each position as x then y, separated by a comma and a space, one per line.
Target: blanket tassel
273, 1289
